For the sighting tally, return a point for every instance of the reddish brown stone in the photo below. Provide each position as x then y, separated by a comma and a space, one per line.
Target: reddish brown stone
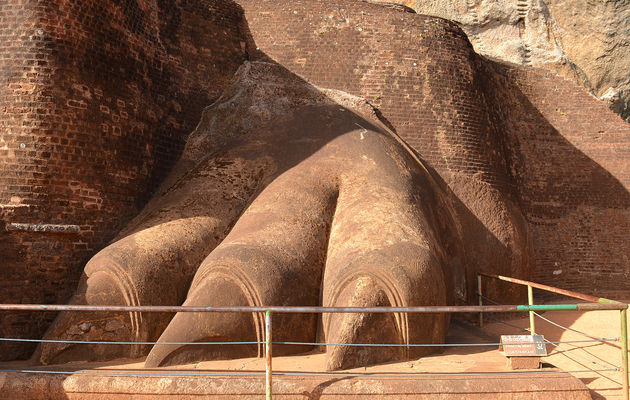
85, 387
523, 362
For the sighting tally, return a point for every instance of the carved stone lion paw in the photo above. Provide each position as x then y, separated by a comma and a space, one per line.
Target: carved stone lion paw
285, 195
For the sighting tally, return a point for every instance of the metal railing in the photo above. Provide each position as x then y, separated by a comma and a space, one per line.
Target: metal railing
595, 304
594, 301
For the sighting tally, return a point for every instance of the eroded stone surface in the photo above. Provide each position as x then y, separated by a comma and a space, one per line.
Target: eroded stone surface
324, 206
81, 387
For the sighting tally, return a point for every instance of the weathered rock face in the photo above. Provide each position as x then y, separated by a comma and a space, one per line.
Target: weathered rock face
584, 40
595, 36
518, 31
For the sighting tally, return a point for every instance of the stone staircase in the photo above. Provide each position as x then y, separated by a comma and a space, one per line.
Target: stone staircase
522, 7
476, 28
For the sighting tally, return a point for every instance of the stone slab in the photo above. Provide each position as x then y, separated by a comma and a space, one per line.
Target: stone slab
87, 387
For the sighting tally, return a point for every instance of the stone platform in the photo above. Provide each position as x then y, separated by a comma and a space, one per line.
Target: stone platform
86, 387
456, 373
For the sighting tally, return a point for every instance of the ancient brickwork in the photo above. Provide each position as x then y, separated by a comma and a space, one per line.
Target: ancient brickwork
420, 71
571, 159
96, 100
567, 154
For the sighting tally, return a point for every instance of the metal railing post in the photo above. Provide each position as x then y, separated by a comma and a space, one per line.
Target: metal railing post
480, 300
624, 353
530, 300
268, 354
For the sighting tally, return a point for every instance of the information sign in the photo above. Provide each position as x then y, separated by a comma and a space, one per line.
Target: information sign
523, 345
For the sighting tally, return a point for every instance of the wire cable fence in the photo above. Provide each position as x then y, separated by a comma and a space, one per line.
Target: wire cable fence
584, 361
573, 347
593, 338
596, 338
557, 343
610, 365
600, 304
591, 299
490, 344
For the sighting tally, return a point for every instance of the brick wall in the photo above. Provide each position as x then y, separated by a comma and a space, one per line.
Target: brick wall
571, 158
420, 71
96, 99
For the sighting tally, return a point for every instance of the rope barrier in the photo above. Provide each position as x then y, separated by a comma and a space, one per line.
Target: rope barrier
423, 344
116, 373
625, 377
599, 304
315, 309
440, 374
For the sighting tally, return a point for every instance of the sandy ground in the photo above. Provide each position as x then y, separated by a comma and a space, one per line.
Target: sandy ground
591, 356
450, 360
